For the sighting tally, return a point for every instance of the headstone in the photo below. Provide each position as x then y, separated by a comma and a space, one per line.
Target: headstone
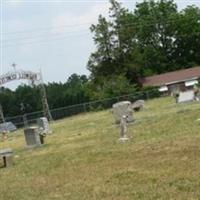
123, 126
8, 127
186, 96
122, 108
32, 137
7, 155
123, 129
43, 125
138, 105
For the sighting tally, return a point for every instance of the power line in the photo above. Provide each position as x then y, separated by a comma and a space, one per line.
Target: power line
67, 37
41, 36
46, 29
54, 27
43, 41
89, 23
128, 25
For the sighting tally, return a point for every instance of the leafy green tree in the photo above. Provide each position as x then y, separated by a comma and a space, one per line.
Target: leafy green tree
112, 86
55, 95
187, 43
155, 35
75, 91
101, 61
27, 99
152, 39
7, 99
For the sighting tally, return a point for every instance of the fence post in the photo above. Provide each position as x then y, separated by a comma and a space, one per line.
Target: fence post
25, 121
147, 95
84, 107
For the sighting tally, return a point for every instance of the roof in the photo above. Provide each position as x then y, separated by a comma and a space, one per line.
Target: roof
172, 77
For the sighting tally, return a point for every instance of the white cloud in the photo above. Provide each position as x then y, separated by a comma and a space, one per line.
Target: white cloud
76, 22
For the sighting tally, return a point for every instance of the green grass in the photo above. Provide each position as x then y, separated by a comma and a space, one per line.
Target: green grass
83, 158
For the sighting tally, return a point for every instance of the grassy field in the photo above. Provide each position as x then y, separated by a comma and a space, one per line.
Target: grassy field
83, 159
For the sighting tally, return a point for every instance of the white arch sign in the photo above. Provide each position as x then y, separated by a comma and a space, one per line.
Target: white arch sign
20, 74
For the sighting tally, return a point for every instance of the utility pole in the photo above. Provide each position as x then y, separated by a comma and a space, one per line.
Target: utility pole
45, 105
2, 119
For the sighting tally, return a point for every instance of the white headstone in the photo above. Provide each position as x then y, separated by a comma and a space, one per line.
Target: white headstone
186, 96
43, 125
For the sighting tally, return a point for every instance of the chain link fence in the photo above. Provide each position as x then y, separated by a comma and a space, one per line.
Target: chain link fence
60, 113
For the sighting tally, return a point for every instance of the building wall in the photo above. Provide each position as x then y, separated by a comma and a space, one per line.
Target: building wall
178, 87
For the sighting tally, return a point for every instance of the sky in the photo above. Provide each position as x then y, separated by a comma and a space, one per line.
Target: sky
52, 35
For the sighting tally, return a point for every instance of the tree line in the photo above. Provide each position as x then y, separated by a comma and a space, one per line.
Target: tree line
27, 99
153, 38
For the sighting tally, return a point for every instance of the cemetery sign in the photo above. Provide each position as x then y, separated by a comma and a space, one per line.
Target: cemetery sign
17, 75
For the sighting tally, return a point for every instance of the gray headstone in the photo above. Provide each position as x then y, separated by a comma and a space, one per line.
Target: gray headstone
123, 108
123, 126
123, 129
43, 124
138, 105
186, 96
7, 156
8, 127
32, 137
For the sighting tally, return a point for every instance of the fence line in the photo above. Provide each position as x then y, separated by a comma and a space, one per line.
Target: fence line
60, 113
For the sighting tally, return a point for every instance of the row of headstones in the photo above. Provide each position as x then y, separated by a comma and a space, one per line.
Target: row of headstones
123, 111
34, 137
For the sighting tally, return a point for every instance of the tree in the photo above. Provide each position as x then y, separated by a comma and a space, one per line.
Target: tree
113, 39
152, 39
8, 101
187, 44
27, 99
55, 95
75, 91
112, 86
100, 62
155, 35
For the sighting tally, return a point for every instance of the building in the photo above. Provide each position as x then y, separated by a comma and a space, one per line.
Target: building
169, 82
